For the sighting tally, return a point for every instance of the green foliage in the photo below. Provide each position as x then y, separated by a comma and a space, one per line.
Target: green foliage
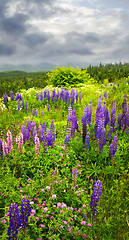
65, 76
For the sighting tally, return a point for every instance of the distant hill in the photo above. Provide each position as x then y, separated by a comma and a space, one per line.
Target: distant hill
27, 67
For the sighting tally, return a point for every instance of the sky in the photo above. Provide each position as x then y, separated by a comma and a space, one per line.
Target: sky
64, 32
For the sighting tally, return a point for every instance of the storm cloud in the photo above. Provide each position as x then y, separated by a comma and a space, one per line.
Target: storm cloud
64, 32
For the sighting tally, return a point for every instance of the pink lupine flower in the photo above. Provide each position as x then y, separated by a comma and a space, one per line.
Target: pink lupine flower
5, 147
37, 144
9, 140
19, 140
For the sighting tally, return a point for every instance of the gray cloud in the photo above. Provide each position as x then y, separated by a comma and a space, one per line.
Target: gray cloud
6, 50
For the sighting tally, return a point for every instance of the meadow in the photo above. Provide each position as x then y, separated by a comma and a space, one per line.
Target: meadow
64, 163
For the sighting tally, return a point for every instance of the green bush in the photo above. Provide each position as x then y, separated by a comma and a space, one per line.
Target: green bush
65, 76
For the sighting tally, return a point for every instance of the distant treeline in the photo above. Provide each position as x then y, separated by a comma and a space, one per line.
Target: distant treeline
17, 80
112, 72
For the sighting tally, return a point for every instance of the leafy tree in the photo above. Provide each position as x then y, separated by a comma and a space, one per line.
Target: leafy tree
65, 76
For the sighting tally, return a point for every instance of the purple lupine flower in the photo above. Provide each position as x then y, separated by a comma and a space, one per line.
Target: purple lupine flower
5, 147
17, 97
66, 96
74, 173
87, 141
95, 196
57, 95
110, 132
49, 139
102, 140
24, 132
33, 112
25, 106
76, 95
20, 97
37, 144
41, 113
99, 124
48, 97
18, 106
113, 146
12, 97
15, 221
37, 96
45, 92
1, 148
106, 117
48, 107
84, 124
41, 95
5, 98
52, 130
125, 120
22, 103
44, 136
34, 133
29, 125
72, 96
25, 213
9, 141
124, 106
62, 94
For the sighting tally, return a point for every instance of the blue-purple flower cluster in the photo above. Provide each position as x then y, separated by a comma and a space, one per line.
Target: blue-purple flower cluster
16, 220
95, 196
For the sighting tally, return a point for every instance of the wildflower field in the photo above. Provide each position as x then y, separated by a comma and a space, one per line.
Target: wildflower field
64, 163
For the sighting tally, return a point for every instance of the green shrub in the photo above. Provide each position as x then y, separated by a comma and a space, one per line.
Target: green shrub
65, 76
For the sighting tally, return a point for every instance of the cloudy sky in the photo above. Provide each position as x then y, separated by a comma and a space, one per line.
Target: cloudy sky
62, 32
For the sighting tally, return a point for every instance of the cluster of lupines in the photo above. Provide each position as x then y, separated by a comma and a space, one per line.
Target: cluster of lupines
123, 118
95, 196
86, 119
16, 220
44, 137
64, 95
72, 125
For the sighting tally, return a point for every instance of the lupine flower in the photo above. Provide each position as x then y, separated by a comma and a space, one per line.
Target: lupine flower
52, 130
15, 221
74, 173
18, 106
48, 97
44, 136
110, 132
41, 113
22, 103
72, 95
19, 140
33, 112
37, 96
45, 92
87, 141
49, 139
17, 97
66, 96
76, 95
34, 133
12, 97
113, 146
102, 139
5, 147
9, 141
48, 107
74, 123
84, 124
62, 94
95, 196
5, 98
125, 120
25, 213
37, 144
89, 113
25, 106
67, 139
41, 95
1, 148
24, 132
